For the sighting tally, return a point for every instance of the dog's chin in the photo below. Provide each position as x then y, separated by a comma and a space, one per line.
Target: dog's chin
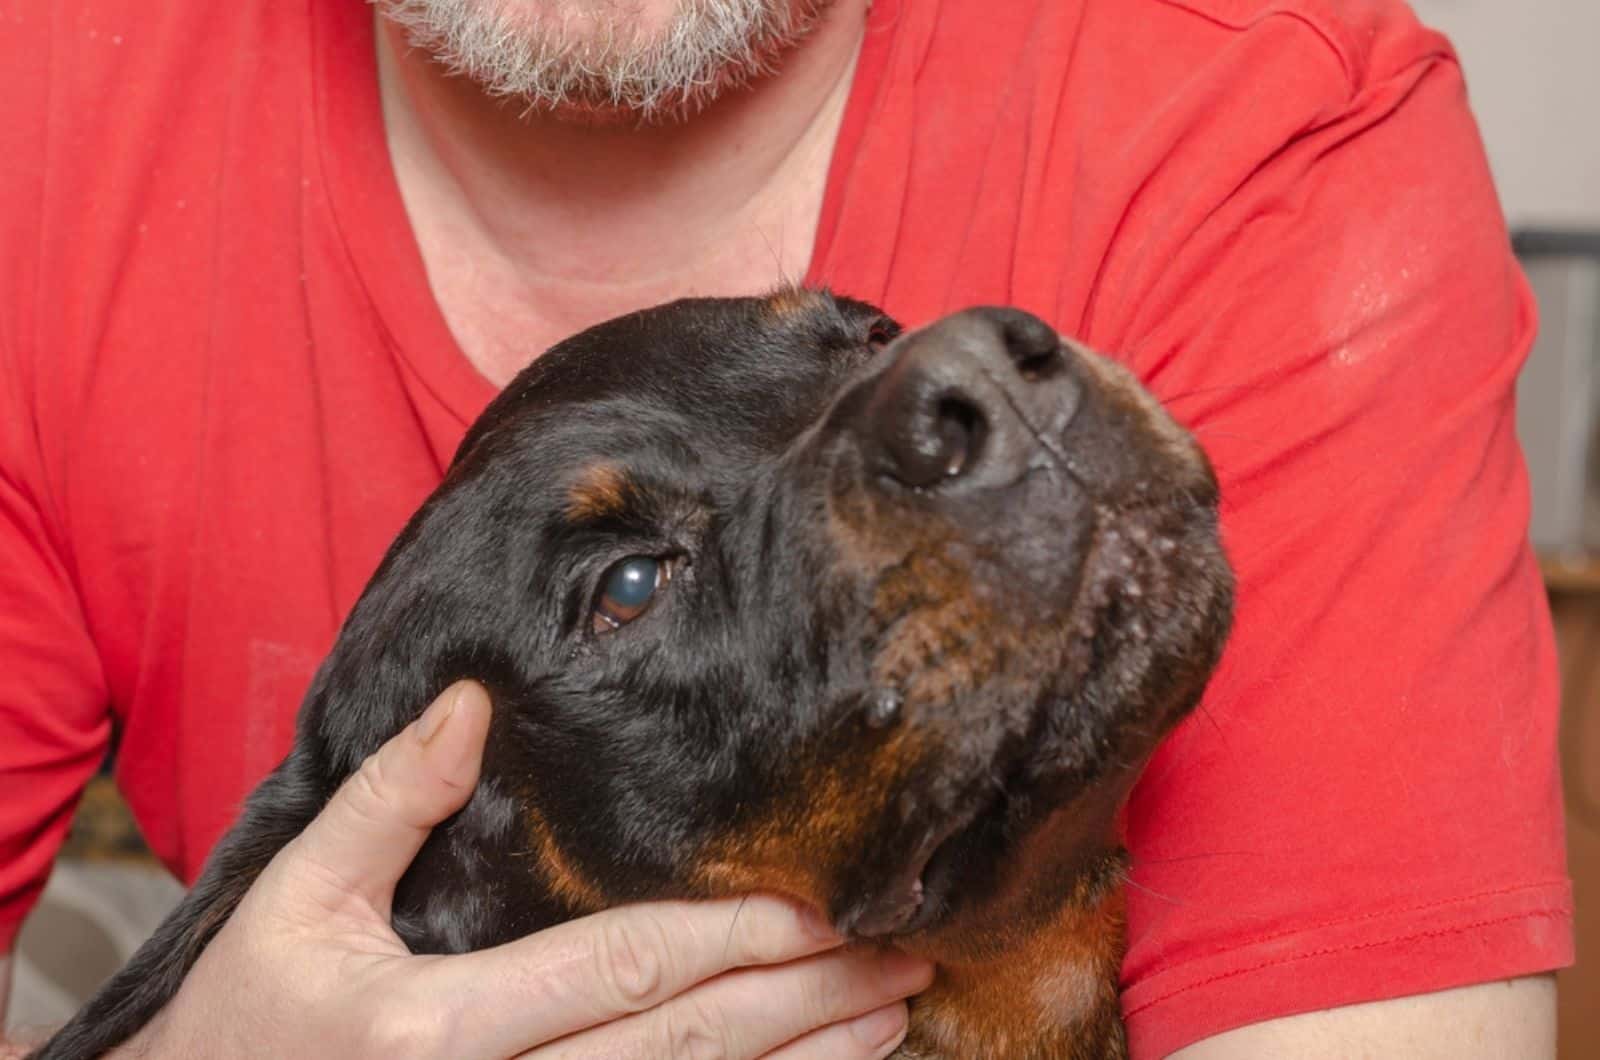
990, 868
923, 889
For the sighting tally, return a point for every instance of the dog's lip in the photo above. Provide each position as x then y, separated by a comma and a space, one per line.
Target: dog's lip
914, 896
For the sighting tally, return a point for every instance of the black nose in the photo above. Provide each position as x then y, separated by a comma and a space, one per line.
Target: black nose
954, 403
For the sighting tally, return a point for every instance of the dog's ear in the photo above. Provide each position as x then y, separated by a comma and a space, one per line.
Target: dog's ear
442, 606
353, 706
449, 602
360, 697
275, 813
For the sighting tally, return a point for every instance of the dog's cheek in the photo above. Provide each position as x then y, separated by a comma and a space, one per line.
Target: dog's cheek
821, 821
964, 649
947, 635
559, 871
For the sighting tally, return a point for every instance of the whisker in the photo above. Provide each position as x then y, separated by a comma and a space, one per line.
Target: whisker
785, 281
1206, 712
727, 945
1128, 881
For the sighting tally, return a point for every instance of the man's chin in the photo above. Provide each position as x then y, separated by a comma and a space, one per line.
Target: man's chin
601, 111
586, 73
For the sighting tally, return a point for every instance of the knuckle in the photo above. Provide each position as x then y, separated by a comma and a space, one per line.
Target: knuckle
691, 1030
633, 954
367, 785
370, 793
764, 931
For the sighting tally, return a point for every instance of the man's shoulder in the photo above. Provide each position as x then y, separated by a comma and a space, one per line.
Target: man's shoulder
81, 70
129, 134
1370, 39
1165, 44
76, 39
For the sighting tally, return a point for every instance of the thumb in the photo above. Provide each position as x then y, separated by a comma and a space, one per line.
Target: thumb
372, 828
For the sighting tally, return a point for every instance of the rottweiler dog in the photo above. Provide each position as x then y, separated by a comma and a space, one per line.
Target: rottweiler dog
771, 596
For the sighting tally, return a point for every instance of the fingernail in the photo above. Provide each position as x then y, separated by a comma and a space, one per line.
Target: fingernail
884, 1027
436, 715
906, 974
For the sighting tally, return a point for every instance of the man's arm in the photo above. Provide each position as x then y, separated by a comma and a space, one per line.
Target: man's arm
7, 1049
1490, 1021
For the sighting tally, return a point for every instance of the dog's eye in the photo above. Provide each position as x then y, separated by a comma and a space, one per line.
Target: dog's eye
627, 590
882, 332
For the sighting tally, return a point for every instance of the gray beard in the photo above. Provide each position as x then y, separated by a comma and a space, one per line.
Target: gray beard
606, 69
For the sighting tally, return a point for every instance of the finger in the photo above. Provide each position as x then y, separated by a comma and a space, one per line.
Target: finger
372, 828
748, 1014
590, 971
874, 1035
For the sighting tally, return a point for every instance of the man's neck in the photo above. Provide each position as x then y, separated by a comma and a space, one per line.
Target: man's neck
533, 227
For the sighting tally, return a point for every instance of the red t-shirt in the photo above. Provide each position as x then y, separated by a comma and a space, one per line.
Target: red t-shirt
224, 384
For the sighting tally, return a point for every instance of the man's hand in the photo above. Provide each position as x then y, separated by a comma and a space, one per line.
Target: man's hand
308, 965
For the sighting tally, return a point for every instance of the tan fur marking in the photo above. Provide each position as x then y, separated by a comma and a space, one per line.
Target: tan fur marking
947, 636
800, 850
1051, 995
789, 301
946, 642
600, 491
565, 881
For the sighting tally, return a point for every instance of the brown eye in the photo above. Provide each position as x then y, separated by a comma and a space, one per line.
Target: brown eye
627, 591
882, 332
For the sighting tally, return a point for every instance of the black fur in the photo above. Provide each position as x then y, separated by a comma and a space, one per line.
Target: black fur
764, 444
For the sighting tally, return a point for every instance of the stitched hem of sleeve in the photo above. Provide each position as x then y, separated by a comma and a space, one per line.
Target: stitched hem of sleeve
1371, 957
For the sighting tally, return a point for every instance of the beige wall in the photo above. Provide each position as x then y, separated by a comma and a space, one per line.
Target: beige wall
1533, 69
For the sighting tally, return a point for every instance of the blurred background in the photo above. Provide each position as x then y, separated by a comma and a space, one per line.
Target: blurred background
1534, 76
1533, 69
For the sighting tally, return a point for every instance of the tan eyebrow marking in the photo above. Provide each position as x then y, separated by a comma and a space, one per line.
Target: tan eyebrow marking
600, 491
789, 300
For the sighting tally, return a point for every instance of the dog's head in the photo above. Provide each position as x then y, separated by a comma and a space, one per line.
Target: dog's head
772, 596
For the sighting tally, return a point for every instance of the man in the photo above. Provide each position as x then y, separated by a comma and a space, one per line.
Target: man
265, 264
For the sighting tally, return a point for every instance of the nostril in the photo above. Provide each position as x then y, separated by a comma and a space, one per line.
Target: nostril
1037, 367
929, 438
961, 429
1034, 347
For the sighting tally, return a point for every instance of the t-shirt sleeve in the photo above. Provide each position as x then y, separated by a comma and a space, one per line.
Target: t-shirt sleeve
54, 722
53, 719
1367, 805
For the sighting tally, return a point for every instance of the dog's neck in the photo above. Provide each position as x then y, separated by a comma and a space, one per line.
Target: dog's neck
1036, 976
1036, 979
1052, 995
